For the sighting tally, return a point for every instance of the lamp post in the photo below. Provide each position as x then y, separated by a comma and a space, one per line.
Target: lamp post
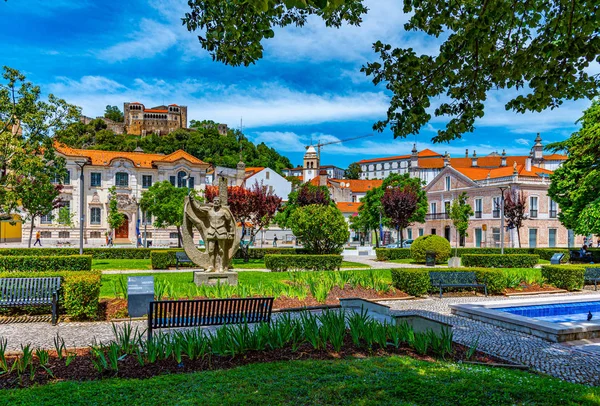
502, 189
81, 164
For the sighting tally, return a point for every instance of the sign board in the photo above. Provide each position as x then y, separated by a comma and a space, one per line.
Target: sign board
140, 292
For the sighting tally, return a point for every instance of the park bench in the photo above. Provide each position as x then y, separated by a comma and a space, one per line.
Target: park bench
575, 256
592, 275
208, 312
443, 280
181, 258
17, 292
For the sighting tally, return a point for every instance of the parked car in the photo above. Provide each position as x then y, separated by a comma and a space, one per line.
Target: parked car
405, 244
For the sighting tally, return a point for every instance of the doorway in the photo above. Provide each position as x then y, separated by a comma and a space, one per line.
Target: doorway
447, 233
123, 231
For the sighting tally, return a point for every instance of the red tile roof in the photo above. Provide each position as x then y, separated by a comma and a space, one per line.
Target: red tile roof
389, 158
427, 153
155, 111
348, 207
506, 171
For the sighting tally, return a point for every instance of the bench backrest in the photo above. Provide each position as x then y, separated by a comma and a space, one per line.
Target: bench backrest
592, 273
182, 256
32, 289
452, 278
209, 312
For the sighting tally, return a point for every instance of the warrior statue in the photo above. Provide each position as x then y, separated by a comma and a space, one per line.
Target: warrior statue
218, 229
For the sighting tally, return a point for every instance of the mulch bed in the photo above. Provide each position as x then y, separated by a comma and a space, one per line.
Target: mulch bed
525, 288
82, 369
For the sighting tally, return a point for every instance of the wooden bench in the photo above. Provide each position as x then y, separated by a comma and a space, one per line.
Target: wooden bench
208, 312
17, 292
575, 256
592, 275
181, 258
443, 280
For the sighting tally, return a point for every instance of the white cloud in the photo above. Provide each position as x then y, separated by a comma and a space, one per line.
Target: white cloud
522, 141
86, 84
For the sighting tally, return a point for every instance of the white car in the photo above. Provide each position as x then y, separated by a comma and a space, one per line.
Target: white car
405, 244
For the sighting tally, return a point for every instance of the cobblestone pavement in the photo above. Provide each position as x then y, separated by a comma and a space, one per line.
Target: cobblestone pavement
567, 362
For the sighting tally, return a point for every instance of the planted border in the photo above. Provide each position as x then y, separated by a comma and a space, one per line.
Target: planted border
283, 263
500, 261
46, 263
569, 277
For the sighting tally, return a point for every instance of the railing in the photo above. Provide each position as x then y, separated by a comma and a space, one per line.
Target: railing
533, 213
496, 213
437, 216
553, 214
478, 214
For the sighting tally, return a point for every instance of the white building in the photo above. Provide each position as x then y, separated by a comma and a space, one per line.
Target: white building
276, 183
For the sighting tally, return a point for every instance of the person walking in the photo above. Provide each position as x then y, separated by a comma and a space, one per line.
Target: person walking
38, 237
275, 242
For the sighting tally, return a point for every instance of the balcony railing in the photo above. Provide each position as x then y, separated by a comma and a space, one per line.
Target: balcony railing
496, 213
478, 214
553, 214
533, 213
437, 216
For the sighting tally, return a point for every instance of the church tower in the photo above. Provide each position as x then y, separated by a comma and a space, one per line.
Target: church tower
538, 151
311, 164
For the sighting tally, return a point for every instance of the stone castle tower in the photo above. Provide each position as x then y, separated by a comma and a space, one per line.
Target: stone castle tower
311, 164
160, 119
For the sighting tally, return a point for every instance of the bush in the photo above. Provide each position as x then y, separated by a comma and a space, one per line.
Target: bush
79, 293
569, 277
322, 229
415, 281
46, 263
283, 263
500, 261
259, 253
97, 253
388, 254
435, 243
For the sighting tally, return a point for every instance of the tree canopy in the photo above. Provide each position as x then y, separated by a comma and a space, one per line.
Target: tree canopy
322, 229
114, 113
460, 214
353, 171
540, 48
305, 195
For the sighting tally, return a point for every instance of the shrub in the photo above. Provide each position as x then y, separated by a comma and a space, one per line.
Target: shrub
322, 229
415, 281
500, 261
97, 253
569, 277
388, 254
79, 293
259, 253
435, 243
283, 263
46, 263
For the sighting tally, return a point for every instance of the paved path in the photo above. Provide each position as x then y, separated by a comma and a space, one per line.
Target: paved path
373, 263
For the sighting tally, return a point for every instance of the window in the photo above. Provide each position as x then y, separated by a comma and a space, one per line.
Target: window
67, 179
552, 237
122, 179
95, 179
173, 235
447, 183
268, 175
553, 209
433, 231
447, 207
478, 235
433, 208
533, 238
496, 236
66, 206
46, 234
64, 234
95, 234
181, 179
172, 180
496, 205
147, 235
421, 232
146, 181
409, 234
146, 218
533, 206
95, 215
191, 182
478, 208
46, 219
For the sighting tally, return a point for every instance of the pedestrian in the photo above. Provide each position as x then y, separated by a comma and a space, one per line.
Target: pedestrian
110, 240
275, 242
38, 237
139, 240
598, 246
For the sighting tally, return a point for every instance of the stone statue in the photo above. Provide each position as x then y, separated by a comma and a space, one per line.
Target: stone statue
218, 229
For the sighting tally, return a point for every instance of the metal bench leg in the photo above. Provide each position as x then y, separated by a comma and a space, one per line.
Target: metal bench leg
54, 309
441, 292
595, 285
176, 264
485, 290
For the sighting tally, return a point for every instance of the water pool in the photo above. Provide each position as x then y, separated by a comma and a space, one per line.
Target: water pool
557, 312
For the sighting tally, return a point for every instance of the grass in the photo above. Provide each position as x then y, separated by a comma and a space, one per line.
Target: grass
371, 381
120, 264
403, 261
353, 265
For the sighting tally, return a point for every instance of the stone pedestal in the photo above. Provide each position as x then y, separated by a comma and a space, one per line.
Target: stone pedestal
212, 278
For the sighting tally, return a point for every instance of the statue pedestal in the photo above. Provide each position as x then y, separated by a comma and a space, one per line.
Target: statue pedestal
212, 278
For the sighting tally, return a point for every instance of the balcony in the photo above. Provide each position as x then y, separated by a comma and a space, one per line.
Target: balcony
478, 214
533, 213
553, 214
437, 216
496, 213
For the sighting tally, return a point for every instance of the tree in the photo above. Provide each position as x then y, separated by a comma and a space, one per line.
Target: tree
306, 195
399, 205
460, 213
540, 48
370, 213
114, 218
322, 229
255, 206
164, 202
514, 210
114, 113
65, 216
574, 185
353, 171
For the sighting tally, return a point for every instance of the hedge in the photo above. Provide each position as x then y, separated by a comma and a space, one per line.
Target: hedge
259, 253
97, 253
415, 281
388, 254
49, 263
569, 277
500, 261
283, 263
79, 293
434, 243
164, 259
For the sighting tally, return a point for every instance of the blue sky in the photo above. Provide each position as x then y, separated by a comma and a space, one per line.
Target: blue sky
308, 86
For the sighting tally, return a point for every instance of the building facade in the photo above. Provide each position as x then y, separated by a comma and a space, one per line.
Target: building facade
158, 120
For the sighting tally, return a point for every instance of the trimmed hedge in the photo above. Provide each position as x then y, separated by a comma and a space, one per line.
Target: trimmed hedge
569, 277
164, 259
415, 281
46, 263
500, 261
388, 254
420, 246
283, 263
79, 293
97, 253
259, 253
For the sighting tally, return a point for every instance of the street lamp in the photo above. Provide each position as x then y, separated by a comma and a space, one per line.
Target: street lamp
81, 164
502, 189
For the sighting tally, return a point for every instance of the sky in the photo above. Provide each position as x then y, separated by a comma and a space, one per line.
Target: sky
308, 88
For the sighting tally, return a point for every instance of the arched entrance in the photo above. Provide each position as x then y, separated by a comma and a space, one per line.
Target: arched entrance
123, 231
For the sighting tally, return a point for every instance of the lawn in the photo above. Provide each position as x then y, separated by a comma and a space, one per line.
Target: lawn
368, 381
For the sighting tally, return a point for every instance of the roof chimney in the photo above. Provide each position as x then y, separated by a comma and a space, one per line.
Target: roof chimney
466, 153
503, 160
446, 159
323, 177
474, 159
528, 163
414, 157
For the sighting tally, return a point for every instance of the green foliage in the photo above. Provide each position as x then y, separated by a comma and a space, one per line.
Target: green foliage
115, 219
259, 253
322, 229
46, 263
306, 195
385, 254
65, 217
114, 113
79, 291
434, 243
353, 171
388, 254
415, 281
96, 253
283, 263
500, 261
460, 213
574, 185
164, 259
569, 277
